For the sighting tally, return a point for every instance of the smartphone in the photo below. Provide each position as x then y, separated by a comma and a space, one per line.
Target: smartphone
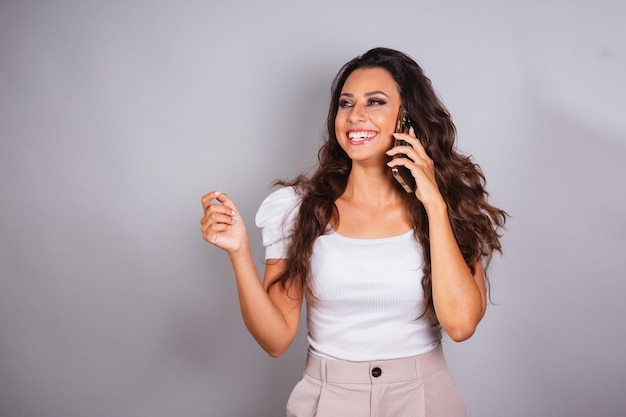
400, 173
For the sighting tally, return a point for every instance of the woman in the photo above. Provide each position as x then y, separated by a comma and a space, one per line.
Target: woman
383, 271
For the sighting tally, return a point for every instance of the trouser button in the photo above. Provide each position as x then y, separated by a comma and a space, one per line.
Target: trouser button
376, 372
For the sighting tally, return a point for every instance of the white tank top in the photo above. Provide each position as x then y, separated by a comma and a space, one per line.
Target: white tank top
368, 291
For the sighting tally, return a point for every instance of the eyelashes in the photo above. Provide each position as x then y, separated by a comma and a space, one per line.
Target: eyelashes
374, 101
344, 104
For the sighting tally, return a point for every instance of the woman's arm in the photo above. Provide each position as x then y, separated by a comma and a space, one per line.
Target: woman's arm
272, 318
459, 297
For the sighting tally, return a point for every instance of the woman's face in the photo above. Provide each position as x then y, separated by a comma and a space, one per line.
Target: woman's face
367, 114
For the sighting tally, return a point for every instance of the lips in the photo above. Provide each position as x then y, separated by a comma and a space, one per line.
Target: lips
361, 136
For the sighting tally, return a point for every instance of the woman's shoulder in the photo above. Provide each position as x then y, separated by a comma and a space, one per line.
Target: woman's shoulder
277, 205
276, 218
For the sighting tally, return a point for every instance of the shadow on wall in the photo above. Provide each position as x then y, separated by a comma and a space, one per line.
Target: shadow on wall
570, 229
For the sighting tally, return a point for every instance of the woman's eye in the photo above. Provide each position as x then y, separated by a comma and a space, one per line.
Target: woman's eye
344, 103
376, 102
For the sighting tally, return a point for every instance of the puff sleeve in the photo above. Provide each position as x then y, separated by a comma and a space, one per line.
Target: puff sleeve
275, 218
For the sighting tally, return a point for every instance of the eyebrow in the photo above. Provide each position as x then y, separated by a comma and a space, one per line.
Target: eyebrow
368, 94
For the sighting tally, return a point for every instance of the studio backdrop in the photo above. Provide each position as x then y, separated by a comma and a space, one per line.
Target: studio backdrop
117, 116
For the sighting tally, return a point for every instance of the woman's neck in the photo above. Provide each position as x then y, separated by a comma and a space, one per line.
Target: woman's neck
371, 186
372, 206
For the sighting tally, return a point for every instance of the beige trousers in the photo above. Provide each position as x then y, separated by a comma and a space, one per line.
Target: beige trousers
420, 386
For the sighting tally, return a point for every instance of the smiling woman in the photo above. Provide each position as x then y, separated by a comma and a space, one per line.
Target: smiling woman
383, 271
368, 109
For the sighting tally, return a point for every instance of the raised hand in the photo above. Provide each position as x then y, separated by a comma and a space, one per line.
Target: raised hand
222, 225
421, 166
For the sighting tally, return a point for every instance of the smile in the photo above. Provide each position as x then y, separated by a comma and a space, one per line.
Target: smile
361, 136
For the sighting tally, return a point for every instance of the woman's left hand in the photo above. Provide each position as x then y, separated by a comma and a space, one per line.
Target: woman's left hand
421, 166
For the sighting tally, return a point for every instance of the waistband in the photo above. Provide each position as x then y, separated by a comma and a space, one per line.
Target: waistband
375, 372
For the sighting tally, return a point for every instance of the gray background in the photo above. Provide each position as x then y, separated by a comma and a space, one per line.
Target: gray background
117, 116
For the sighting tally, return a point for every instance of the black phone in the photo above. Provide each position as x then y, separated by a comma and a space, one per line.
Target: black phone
400, 173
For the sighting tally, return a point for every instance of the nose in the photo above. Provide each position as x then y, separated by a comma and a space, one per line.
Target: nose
357, 114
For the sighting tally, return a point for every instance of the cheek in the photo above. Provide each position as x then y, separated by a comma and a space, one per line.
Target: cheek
388, 127
338, 125
387, 122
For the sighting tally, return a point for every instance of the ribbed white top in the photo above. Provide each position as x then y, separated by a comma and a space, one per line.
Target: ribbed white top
368, 291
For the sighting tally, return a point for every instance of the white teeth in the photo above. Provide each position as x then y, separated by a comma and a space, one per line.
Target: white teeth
361, 135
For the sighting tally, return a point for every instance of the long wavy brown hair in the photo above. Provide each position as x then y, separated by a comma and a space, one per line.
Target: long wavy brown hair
475, 222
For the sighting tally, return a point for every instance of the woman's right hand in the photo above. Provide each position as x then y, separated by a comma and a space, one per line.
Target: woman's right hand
222, 225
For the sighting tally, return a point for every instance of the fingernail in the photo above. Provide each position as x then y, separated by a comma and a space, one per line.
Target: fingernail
217, 193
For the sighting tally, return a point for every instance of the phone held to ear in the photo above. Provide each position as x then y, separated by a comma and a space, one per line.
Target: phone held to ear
400, 173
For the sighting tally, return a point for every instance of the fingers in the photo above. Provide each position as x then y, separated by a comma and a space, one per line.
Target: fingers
415, 149
219, 196
213, 223
217, 211
217, 217
227, 205
419, 163
207, 198
415, 153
